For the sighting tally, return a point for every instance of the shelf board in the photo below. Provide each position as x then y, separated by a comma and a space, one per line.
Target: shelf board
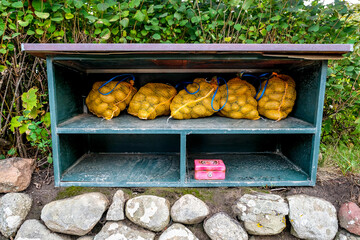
117, 169
88, 124
251, 169
162, 170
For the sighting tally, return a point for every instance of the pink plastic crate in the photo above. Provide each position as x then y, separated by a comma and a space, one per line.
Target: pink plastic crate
209, 169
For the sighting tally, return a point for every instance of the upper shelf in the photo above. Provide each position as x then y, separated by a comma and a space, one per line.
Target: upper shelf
88, 124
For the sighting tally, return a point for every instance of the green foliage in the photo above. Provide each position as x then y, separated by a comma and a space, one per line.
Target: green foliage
347, 158
175, 21
34, 122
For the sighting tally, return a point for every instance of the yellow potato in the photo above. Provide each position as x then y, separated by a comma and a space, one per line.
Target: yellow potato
119, 95
235, 107
242, 90
143, 114
161, 109
110, 105
152, 99
276, 96
240, 99
104, 90
122, 106
253, 114
252, 101
236, 114
279, 97
107, 98
100, 108
247, 108
199, 110
272, 105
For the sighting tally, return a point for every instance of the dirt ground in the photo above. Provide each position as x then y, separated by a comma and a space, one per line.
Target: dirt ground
331, 185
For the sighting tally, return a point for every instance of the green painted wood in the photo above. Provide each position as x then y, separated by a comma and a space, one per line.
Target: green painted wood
183, 157
298, 148
133, 143
127, 151
125, 169
53, 118
68, 86
319, 115
240, 143
247, 168
88, 123
161, 170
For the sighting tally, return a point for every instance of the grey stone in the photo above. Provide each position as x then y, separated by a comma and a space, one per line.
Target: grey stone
345, 235
221, 226
14, 207
76, 215
150, 212
15, 174
116, 209
86, 238
263, 214
123, 231
34, 230
312, 218
177, 231
189, 210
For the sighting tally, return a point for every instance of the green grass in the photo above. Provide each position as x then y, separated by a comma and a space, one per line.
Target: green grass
74, 191
346, 158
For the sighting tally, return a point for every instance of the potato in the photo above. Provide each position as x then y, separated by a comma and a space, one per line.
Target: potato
110, 105
240, 100
279, 97
152, 98
199, 110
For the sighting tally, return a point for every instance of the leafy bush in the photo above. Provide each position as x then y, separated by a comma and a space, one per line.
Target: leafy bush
175, 21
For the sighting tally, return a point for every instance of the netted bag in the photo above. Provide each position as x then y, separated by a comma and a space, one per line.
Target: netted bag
196, 100
108, 99
152, 100
278, 98
239, 100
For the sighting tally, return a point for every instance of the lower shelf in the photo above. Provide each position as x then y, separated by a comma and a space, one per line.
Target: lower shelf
251, 169
163, 170
114, 169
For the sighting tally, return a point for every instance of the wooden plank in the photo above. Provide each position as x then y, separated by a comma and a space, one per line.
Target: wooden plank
88, 123
154, 170
41, 49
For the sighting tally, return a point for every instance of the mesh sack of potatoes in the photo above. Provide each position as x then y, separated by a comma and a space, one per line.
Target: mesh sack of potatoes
108, 99
152, 100
278, 98
239, 100
196, 101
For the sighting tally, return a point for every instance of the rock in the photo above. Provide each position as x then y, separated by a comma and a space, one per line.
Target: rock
349, 217
344, 235
76, 215
34, 230
312, 218
122, 231
150, 212
116, 210
263, 214
14, 207
15, 174
86, 238
177, 232
189, 210
221, 226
